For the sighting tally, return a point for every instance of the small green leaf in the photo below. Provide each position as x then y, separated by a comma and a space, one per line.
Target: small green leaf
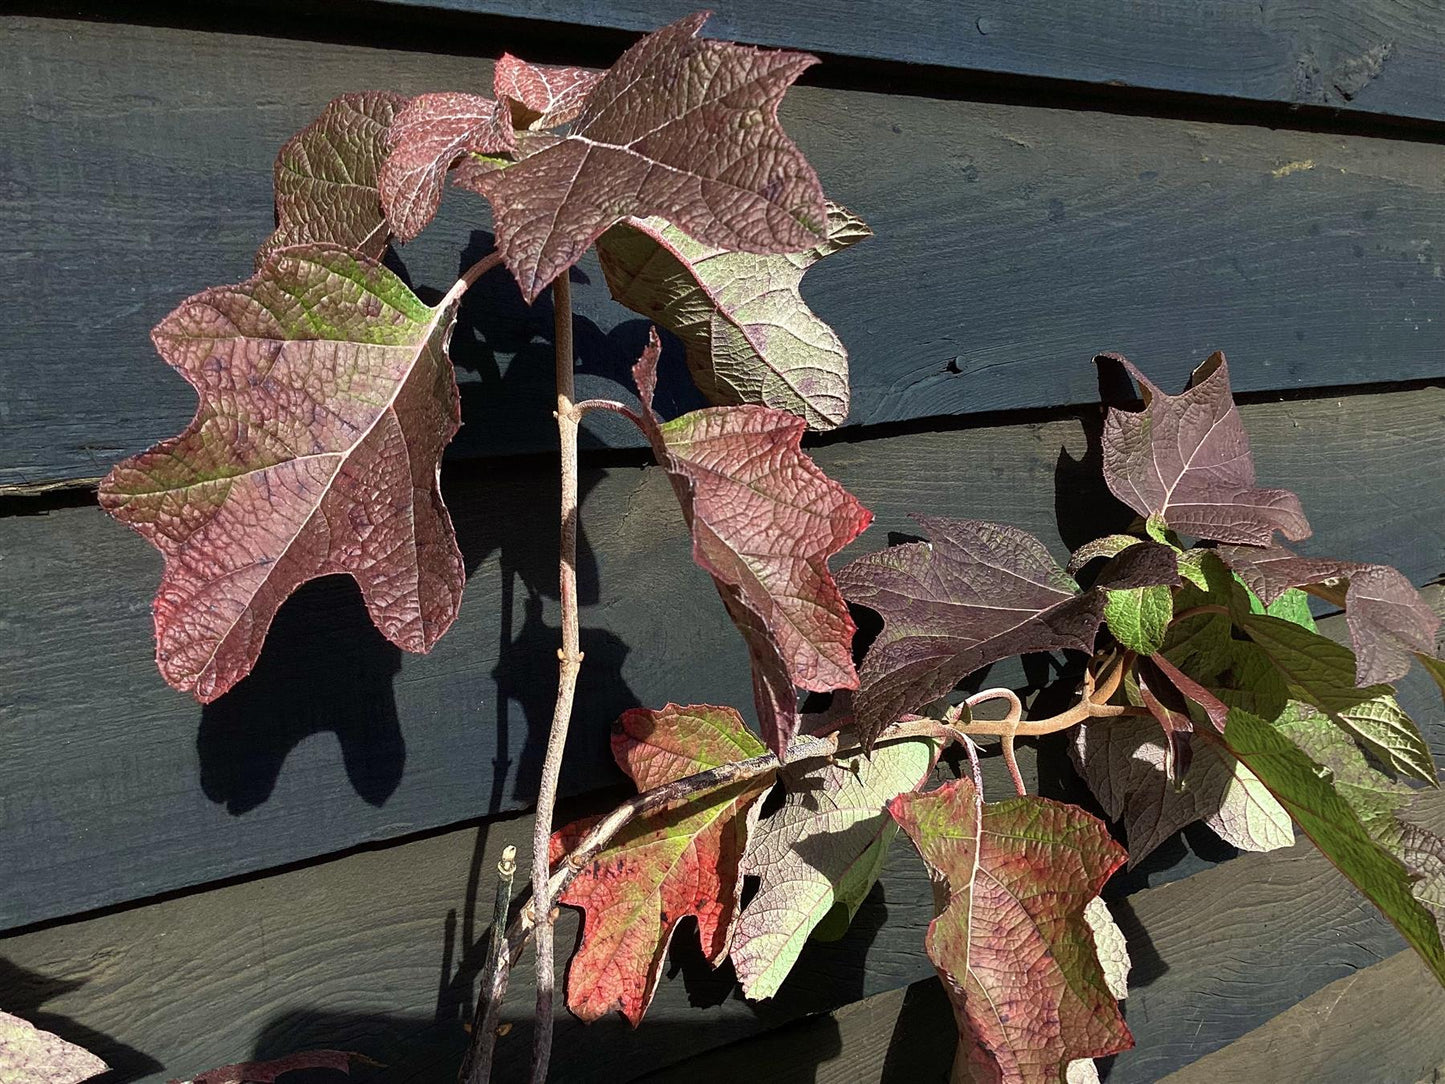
1157, 529
1348, 810
1191, 567
1111, 545
1321, 672
1139, 617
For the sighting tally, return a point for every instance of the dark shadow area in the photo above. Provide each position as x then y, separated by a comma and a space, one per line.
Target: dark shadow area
1084, 509
324, 668
924, 1038
24, 992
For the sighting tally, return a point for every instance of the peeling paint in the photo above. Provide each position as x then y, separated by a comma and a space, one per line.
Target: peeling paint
1293, 167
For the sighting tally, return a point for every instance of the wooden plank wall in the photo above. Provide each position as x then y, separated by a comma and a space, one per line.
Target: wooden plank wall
297, 864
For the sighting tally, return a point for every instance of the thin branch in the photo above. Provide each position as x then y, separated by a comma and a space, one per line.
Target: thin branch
570, 656
1206, 608
477, 1064
609, 405
480, 268
1011, 721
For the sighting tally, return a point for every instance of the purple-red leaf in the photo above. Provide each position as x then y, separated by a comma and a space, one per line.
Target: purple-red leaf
1167, 706
542, 97
1184, 459
1216, 709
764, 521
326, 398
31, 1056
1011, 941
679, 127
327, 176
977, 593
268, 1072
666, 865
426, 138
1388, 619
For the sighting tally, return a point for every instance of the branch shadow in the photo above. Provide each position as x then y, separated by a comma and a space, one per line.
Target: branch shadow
23, 992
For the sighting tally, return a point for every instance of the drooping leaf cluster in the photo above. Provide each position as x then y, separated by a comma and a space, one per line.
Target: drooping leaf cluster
326, 399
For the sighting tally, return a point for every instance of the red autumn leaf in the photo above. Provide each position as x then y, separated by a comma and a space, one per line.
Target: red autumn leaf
268, 1072
1011, 941
1185, 460
666, 865
31, 1056
977, 593
764, 521
327, 176
542, 97
326, 398
1388, 619
1166, 704
679, 127
426, 138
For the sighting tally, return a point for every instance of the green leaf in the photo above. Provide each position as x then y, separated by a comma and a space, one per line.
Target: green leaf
1292, 606
1139, 617
1321, 672
749, 336
824, 847
1191, 567
1348, 810
1110, 545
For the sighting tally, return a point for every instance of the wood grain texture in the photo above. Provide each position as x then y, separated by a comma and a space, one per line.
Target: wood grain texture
1373, 57
377, 952
1012, 244
114, 787
1381, 1023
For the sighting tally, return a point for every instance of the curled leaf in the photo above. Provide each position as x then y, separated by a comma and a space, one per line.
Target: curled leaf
679, 127
327, 177
666, 865
1184, 459
542, 97
326, 398
749, 336
1011, 940
1388, 619
427, 137
764, 521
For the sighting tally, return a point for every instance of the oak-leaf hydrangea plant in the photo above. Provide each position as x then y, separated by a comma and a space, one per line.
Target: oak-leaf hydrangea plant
326, 399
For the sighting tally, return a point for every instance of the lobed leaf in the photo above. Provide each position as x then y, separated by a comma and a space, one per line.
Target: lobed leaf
1321, 673
823, 848
978, 592
427, 137
1349, 810
1011, 940
764, 521
748, 334
540, 97
326, 398
666, 865
1388, 619
31, 1056
1125, 763
327, 178
1184, 460
679, 127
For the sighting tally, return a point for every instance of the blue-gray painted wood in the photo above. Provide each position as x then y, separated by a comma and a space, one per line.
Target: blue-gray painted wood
1012, 244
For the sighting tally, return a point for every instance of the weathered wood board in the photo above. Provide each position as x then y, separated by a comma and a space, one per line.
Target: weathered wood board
1374, 57
377, 952
1012, 243
113, 786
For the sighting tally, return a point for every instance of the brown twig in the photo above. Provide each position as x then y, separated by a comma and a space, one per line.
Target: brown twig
570, 658
480, 268
1011, 722
610, 405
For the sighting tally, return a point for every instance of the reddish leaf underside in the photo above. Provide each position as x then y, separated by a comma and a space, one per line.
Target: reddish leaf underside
679, 127
268, 1072
1011, 941
666, 865
764, 521
1185, 459
542, 97
1388, 619
326, 398
327, 174
31, 1056
426, 138
977, 593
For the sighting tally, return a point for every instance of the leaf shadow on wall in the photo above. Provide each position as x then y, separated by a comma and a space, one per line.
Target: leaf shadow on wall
23, 993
